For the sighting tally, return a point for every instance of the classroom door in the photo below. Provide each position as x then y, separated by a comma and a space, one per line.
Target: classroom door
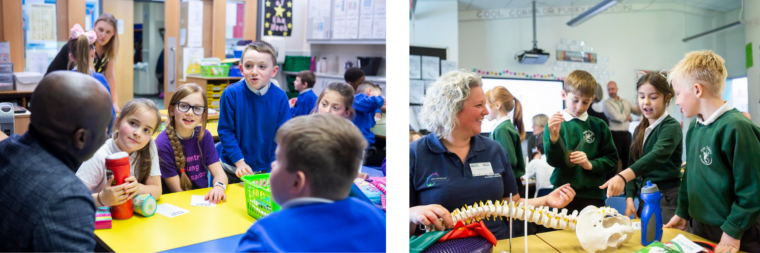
123, 11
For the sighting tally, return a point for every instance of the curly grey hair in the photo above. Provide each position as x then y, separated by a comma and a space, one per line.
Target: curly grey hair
445, 98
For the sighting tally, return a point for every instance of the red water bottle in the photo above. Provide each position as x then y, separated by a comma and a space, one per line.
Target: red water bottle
118, 163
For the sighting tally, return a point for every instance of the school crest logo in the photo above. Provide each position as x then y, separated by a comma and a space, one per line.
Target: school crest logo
588, 136
705, 155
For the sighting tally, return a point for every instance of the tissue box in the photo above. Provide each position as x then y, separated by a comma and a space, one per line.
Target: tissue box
27, 81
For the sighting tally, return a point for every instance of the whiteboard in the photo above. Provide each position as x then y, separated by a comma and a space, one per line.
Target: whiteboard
536, 97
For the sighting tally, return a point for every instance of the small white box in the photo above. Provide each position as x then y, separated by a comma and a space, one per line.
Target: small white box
27, 81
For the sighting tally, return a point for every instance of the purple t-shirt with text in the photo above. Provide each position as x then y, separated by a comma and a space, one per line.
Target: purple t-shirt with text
197, 158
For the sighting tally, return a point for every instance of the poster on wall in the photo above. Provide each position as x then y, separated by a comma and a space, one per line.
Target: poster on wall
576, 56
278, 17
42, 22
91, 13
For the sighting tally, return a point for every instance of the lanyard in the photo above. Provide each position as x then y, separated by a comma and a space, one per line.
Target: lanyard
620, 104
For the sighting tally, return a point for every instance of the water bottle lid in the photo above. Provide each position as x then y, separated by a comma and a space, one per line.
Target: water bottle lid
650, 188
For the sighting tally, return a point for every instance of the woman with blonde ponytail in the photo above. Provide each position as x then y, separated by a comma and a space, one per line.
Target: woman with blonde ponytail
507, 132
186, 149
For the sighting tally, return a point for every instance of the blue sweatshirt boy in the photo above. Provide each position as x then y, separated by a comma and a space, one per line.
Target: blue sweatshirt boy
365, 107
306, 102
248, 123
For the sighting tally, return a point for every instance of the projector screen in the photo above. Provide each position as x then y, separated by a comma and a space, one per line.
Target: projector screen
536, 97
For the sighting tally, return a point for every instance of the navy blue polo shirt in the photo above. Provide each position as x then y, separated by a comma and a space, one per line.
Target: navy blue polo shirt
438, 176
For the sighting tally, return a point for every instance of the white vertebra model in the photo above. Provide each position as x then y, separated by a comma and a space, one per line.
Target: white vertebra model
596, 228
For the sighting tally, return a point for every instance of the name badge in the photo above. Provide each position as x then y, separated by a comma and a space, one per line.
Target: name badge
481, 169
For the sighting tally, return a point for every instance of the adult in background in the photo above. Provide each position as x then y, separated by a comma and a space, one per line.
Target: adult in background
106, 48
45, 205
618, 111
455, 166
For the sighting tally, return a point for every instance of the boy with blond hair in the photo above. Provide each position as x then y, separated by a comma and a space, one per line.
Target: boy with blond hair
719, 188
579, 147
250, 113
317, 157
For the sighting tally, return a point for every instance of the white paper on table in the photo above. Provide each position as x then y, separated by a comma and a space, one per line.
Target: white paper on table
37, 62
415, 70
352, 27
318, 28
416, 91
188, 55
199, 200
339, 27
431, 67
365, 27
448, 66
378, 27
314, 8
231, 15
170, 210
379, 8
366, 8
182, 37
195, 24
636, 225
687, 246
324, 8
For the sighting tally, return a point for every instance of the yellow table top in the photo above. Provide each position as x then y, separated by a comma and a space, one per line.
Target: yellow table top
567, 241
201, 224
535, 244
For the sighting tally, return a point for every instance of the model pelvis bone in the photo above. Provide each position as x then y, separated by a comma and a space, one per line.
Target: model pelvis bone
596, 228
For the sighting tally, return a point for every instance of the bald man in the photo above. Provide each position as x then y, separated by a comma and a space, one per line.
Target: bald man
618, 111
45, 206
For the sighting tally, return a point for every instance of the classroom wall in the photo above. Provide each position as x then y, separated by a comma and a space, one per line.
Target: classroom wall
436, 24
153, 18
648, 39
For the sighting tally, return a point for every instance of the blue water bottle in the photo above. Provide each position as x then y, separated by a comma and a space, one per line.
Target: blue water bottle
651, 216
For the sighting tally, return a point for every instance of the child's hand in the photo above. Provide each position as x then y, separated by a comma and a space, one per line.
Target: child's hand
727, 244
378, 116
628, 118
560, 197
131, 187
216, 195
555, 123
430, 216
293, 101
614, 186
112, 196
677, 222
242, 169
579, 158
630, 208
362, 175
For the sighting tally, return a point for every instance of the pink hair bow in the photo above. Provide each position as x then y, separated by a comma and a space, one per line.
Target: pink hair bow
77, 30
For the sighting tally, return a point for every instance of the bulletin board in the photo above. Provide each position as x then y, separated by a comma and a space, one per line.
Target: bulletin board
424, 67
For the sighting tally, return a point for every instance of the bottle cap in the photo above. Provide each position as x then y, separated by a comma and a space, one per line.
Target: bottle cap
650, 188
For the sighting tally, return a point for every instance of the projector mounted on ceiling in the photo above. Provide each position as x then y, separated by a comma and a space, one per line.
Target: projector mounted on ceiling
535, 55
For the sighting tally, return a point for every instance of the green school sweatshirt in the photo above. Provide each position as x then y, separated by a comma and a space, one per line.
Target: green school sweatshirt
661, 162
599, 149
506, 135
721, 182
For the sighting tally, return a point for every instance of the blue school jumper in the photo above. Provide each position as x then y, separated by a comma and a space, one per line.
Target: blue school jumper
248, 123
349, 225
366, 107
305, 104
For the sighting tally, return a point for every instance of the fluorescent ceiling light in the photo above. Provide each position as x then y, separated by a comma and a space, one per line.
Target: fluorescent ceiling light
592, 12
719, 29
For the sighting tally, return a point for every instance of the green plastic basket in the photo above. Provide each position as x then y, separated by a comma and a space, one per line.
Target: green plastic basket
296, 63
215, 71
258, 198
